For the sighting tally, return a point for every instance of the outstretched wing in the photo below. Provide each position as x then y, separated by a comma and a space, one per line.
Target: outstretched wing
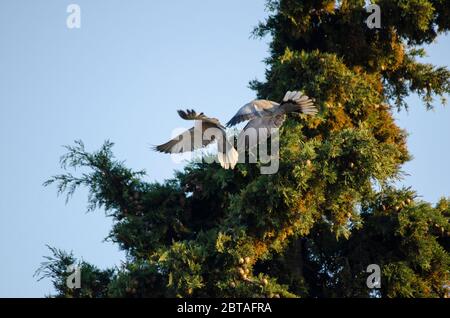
297, 102
190, 114
252, 110
184, 142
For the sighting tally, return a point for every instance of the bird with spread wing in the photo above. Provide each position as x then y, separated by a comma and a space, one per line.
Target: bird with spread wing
267, 114
205, 131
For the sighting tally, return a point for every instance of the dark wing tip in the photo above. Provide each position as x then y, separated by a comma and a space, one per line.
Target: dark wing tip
183, 114
164, 148
233, 121
238, 119
158, 148
189, 114
192, 114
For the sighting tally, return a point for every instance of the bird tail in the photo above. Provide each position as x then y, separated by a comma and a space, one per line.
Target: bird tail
300, 102
229, 157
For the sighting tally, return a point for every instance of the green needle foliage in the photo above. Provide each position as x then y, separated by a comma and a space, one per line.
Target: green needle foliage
311, 229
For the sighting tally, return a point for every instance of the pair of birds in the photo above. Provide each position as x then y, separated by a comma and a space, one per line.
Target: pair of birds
260, 114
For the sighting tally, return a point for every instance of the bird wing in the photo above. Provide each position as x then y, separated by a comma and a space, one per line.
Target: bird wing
191, 114
184, 142
267, 122
255, 108
297, 102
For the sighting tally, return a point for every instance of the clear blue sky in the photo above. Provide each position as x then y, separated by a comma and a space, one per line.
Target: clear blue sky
121, 77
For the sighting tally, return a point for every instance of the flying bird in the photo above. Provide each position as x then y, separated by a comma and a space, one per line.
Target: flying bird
267, 114
194, 138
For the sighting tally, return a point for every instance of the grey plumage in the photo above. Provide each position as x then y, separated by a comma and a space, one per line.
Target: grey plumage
292, 102
252, 110
193, 138
266, 114
260, 114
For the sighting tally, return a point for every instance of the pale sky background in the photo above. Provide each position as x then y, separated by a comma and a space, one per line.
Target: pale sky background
121, 77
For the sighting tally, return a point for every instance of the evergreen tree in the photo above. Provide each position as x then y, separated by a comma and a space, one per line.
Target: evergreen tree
311, 229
